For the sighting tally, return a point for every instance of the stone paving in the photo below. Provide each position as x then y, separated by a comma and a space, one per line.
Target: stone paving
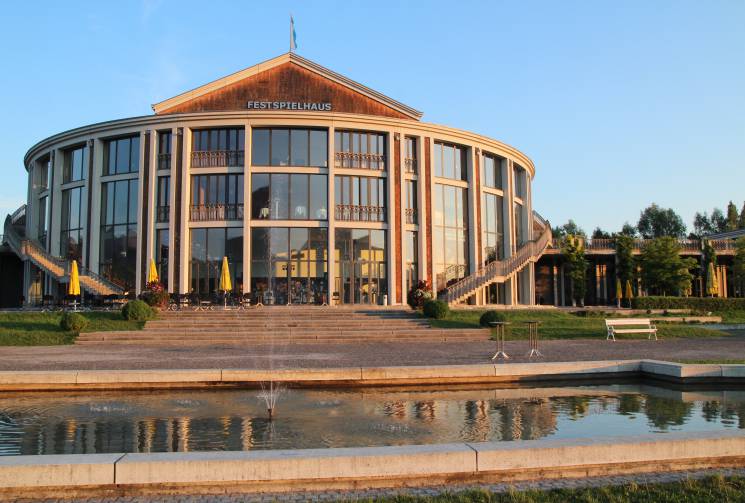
335, 355
373, 494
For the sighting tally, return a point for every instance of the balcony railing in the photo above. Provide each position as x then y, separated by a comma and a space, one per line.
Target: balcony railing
359, 161
691, 245
210, 212
164, 161
217, 158
355, 213
410, 215
162, 214
410, 165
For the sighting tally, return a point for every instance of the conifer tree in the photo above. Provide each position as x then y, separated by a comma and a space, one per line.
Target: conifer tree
732, 217
741, 221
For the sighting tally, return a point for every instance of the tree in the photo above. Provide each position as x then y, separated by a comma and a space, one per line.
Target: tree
628, 230
656, 222
599, 233
741, 220
568, 229
738, 267
664, 271
702, 225
624, 257
573, 250
718, 222
732, 216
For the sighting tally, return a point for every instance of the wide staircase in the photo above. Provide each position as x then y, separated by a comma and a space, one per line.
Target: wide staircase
499, 271
285, 325
57, 267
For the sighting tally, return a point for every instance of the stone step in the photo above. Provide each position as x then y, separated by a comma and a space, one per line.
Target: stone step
259, 325
249, 342
282, 335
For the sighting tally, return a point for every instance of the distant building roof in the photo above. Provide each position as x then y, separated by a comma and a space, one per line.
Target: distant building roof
727, 235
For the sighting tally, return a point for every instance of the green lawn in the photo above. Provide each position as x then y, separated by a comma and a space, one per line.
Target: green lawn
556, 324
42, 329
732, 316
709, 490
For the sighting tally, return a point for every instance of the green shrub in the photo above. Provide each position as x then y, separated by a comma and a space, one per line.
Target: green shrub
73, 322
490, 316
436, 309
156, 299
137, 310
701, 304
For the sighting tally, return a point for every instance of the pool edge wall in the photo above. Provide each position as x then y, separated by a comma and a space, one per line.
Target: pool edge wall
361, 468
61, 380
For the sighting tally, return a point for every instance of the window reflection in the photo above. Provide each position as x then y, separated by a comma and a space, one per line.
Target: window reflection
449, 161
208, 247
360, 266
282, 196
118, 250
289, 147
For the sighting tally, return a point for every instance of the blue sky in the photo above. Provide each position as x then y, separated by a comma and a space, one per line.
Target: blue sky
619, 104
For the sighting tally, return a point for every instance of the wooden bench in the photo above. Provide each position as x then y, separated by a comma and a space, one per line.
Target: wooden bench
634, 326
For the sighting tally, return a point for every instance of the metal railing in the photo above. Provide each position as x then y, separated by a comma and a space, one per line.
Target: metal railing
209, 212
450, 274
410, 165
356, 213
497, 269
164, 161
410, 215
162, 214
217, 158
604, 244
18, 214
359, 161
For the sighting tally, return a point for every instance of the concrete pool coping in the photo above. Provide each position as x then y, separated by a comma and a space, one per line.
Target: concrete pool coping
78, 475
370, 376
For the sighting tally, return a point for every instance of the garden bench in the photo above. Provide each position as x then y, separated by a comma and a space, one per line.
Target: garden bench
630, 326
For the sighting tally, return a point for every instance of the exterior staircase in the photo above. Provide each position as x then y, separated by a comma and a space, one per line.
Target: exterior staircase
57, 267
501, 270
277, 325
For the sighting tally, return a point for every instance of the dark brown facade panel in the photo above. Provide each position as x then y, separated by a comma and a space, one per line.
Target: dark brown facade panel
286, 82
145, 221
176, 225
397, 208
428, 192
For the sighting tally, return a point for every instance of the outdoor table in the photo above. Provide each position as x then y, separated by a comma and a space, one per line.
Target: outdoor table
498, 329
533, 338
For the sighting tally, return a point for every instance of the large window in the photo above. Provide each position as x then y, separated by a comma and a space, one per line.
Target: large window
289, 147
75, 166
208, 247
216, 197
359, 149
360, 266
411, 258
282, 196
289, 265
410, 155
360, 198
518, 210
450, 161
450, 234
219, 147
122, 156
42, 174
492, 214
491, 172
521, 182
410, 206
162, 243
164, 150
118, 252
42, 222
71, 231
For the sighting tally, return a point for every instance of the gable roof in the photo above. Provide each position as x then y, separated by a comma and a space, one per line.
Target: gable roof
284, 59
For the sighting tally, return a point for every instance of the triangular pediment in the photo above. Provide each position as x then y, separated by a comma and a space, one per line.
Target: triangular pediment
288, 82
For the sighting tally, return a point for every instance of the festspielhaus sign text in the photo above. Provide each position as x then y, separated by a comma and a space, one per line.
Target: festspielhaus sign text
288, 105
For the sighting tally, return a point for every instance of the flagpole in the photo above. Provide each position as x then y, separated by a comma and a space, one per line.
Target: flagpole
291, 49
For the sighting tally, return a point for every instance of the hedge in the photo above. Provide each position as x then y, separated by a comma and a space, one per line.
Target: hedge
436, 309
137, 310
695, 303
490, 316
74, 322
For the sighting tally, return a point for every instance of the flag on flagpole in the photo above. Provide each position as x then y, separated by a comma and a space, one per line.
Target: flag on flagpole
293, 35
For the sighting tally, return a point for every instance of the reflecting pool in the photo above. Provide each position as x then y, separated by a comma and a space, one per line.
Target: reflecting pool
165, 421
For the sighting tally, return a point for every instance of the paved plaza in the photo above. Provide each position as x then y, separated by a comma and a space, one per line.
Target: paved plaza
336, 355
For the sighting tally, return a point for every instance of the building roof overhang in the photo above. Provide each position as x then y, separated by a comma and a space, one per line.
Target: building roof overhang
294, 59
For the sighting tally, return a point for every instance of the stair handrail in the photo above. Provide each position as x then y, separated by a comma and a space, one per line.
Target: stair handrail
17, 214
12, 237
115, 288
498, 267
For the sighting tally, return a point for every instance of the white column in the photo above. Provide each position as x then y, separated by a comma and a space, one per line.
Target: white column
141, 225
247, 209
149, 226
173, 200
184, 223
421, 208
94, 185
331, 212
391, 217
509, 230
55, 223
